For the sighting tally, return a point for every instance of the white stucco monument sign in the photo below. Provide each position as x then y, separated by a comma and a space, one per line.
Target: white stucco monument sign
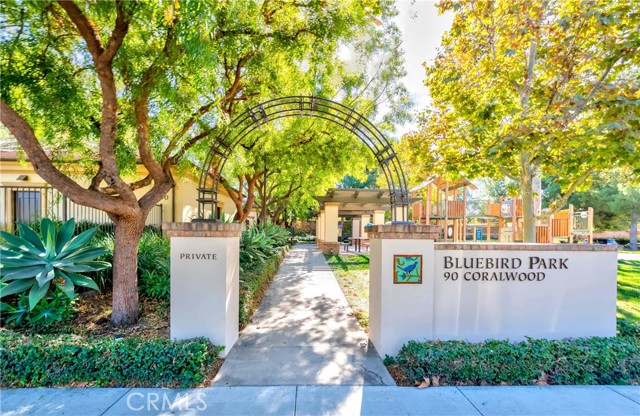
205, 281
424, 290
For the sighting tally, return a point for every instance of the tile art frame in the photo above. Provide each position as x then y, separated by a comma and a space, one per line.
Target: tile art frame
404, 273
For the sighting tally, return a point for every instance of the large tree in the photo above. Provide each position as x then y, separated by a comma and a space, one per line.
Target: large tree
302, 158
522, 89
117, 82
299, 159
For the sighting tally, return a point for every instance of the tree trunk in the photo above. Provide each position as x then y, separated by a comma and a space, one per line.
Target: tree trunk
536, 183
125, 269
528, 208
633, 231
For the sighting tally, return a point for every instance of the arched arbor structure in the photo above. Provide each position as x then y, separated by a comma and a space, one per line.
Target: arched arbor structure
303, 106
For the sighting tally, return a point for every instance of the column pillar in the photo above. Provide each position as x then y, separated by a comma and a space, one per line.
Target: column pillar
321, 220
401, 284
378, 217
205, 265
329, 243
355, 227
331, 222
364, 220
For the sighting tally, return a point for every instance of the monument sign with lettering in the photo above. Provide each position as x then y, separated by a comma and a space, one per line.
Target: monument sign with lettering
480, 291
205, 281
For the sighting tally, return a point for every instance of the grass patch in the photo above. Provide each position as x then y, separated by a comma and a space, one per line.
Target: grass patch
352, 273
629, 290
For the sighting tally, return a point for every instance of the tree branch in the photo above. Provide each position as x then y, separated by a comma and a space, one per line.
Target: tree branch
189, 144
104, 71
86, 28
45, 168
186, 126
507, 174
146, 181
558, 204
117, 35
595, 87
141, 106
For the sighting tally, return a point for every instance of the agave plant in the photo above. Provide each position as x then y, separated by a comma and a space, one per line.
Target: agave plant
32, 262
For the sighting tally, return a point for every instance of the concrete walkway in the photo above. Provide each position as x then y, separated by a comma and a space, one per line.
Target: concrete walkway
304, 333
327, 400
628, 256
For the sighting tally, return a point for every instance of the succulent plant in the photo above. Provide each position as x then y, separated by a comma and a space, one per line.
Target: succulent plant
32, 262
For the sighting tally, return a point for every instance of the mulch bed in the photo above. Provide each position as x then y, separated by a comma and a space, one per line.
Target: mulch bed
94, 314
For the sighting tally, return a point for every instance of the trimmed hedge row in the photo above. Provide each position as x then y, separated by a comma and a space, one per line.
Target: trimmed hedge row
59, 360
255, 279
535, 361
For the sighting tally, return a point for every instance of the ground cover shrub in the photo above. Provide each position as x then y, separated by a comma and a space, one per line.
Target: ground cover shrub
60, 360
260, 242
255, 279
262, 249
38, 269
153, 266
53, 308
594, 360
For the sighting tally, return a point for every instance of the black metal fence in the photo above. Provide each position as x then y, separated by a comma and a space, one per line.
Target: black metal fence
30, 203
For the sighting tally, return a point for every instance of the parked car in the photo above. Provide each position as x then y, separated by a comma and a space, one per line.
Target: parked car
607, 241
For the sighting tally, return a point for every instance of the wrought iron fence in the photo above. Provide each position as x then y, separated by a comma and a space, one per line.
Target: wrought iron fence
30, 203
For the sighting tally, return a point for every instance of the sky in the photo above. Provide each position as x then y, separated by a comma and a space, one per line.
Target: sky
422, 30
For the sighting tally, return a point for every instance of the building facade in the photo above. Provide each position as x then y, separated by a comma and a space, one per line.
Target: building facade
26, 197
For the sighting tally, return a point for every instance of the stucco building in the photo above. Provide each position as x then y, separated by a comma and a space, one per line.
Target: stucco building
25, 196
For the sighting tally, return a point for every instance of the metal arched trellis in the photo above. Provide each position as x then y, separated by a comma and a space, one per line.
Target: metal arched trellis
302, 106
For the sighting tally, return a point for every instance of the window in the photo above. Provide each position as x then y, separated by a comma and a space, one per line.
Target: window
28, 207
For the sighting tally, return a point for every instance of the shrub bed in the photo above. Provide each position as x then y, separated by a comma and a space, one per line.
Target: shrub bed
61, 360
255, 279
535, 361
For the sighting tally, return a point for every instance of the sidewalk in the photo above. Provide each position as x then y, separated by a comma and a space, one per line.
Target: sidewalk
327, 400
303, 333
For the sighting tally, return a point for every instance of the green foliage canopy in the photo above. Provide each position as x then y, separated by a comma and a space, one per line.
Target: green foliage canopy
520, 89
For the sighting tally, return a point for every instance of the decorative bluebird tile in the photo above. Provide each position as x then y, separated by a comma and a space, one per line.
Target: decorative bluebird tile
407, 269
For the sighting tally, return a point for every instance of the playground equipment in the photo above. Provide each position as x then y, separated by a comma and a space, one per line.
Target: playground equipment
563, 226
574, 226
443, 203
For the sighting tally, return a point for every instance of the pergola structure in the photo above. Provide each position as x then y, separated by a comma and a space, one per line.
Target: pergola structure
364, 206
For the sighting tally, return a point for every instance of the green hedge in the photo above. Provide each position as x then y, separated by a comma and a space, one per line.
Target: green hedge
567, 361
59, 360
255, 279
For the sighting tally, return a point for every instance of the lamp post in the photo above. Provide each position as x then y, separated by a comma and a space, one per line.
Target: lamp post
263, 213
